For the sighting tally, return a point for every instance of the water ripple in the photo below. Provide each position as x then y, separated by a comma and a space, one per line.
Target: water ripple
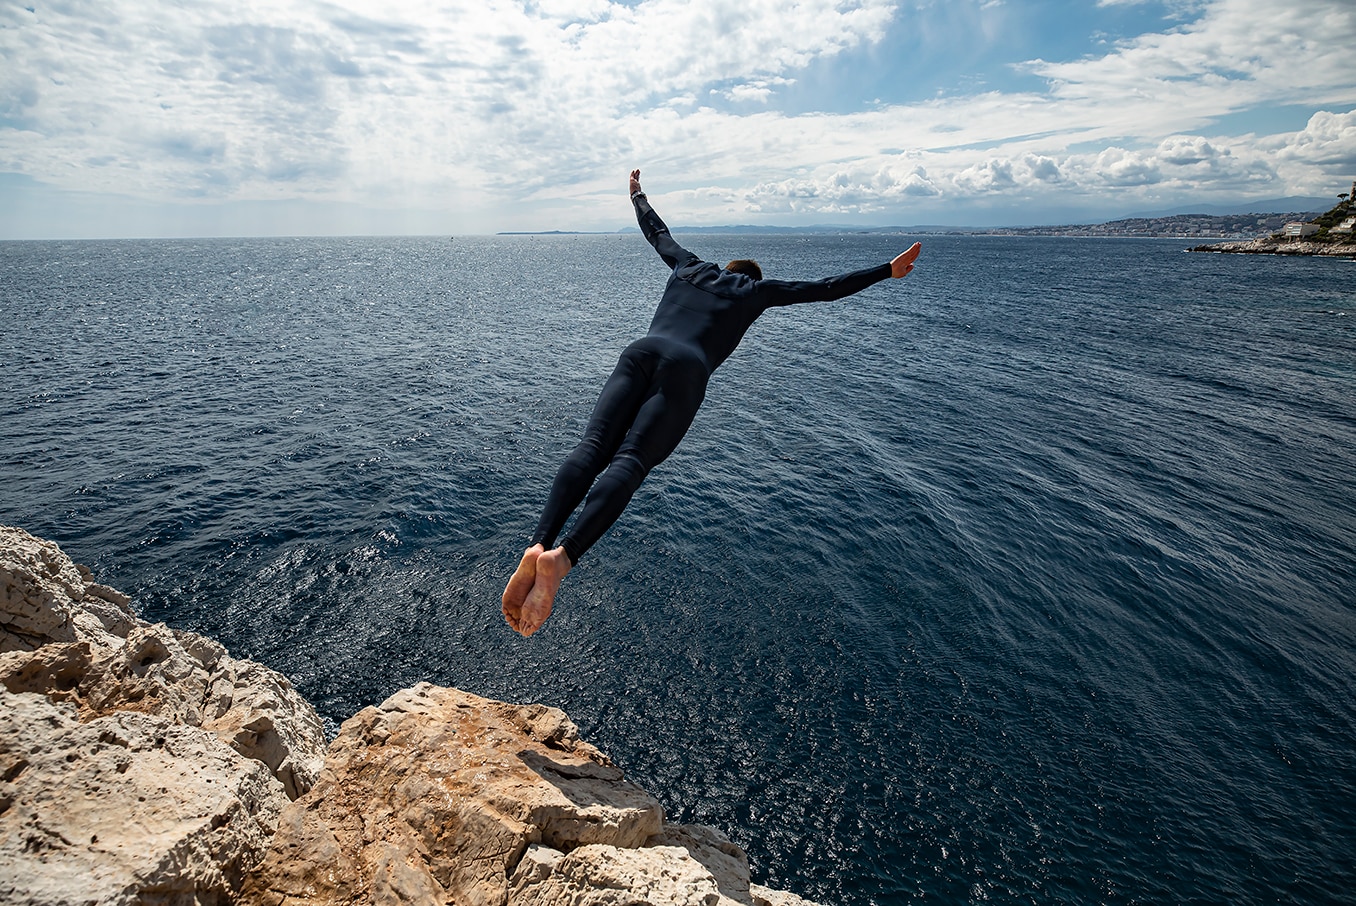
1027, 580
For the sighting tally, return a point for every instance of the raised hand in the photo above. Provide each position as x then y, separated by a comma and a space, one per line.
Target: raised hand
903, 262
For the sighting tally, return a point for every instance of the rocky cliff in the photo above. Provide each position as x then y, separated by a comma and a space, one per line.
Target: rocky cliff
1269, 245
142, 764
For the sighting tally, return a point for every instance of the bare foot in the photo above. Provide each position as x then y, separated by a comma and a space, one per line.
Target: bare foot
551, 569
519, 584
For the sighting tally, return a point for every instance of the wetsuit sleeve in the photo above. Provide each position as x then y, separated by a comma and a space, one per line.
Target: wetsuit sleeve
658, 234
790, 292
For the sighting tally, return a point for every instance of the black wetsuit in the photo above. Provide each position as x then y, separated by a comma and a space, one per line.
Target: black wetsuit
650, 400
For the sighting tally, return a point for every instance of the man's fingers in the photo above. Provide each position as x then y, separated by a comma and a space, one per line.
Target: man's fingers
903, 262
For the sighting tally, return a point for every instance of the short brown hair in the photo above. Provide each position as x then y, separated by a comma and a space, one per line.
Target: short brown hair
745, 266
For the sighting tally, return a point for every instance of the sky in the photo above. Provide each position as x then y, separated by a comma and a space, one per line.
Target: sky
322, 117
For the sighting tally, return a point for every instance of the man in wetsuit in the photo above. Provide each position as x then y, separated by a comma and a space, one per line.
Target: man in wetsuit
651, 398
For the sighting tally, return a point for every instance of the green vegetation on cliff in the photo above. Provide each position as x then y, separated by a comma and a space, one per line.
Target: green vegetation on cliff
1334, 217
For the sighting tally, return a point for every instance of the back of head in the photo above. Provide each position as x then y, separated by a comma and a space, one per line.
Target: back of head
745, 266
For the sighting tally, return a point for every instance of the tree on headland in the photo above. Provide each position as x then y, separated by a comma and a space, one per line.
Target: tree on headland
1338, 213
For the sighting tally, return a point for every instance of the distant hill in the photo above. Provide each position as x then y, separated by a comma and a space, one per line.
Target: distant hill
1192, 219
814, 228
1291, 207
1265, 206
1175, 226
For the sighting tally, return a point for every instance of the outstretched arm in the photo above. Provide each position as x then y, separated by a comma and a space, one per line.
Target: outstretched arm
656, 232
790, 292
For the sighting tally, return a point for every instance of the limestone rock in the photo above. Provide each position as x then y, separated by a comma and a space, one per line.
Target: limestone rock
766, 896
263, 717
681, 866
438, 796
43, 598
727, 863
1271, 245
55, 670
75, 640
129, 808
143, 764
192, 680
435, 795
598, 875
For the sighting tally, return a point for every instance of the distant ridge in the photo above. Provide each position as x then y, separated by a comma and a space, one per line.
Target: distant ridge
741, 228
548, 233
813, 228
1290, 205
1266, 206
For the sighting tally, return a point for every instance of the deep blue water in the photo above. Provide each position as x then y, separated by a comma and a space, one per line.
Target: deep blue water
1030, 578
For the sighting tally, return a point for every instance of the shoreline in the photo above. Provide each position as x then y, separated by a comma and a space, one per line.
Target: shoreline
1286, 247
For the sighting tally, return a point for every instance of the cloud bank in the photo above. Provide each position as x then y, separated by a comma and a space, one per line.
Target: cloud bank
500, 115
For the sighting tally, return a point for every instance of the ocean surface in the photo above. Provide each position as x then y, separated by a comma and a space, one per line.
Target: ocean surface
1028, 579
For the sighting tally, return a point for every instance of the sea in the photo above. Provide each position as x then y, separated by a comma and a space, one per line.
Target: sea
1030, 578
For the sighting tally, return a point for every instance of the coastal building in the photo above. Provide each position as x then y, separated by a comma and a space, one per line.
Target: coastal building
1298, 230
1346, 226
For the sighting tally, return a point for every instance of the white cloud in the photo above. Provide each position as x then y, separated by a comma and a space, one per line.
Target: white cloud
1239, 53
759, 91
992, 175
841, 192
1119, 167
916, 184
1327, 141
1152, 91
1320, 159
279, 99
489, 109
1042, 168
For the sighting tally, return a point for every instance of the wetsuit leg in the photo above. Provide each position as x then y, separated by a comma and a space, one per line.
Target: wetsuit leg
679, 386
613, 414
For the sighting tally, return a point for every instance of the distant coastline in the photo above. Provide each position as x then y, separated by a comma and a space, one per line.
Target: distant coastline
1177, 226
1323, 233
550, 233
